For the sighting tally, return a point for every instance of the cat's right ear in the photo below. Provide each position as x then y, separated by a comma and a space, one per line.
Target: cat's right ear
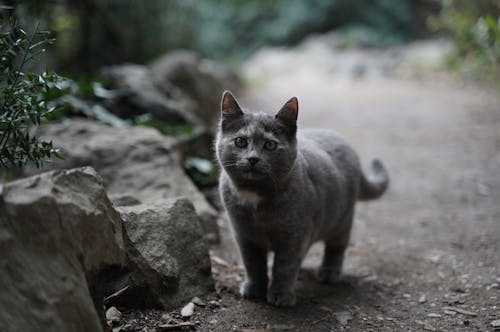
229, 107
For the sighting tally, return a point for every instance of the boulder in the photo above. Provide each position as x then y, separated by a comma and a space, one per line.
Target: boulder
167, 257
136, 94
138, 164
203, 80
59, 239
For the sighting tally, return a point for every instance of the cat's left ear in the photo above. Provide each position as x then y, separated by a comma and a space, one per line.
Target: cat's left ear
289, 112
229, 106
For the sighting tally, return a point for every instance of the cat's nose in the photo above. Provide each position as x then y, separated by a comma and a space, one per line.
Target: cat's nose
253, 160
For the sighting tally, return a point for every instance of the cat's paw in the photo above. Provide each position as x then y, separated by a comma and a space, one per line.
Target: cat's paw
250, 290
281, 299
328, 275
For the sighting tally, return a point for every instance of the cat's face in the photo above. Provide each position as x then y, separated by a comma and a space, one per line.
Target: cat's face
256, 148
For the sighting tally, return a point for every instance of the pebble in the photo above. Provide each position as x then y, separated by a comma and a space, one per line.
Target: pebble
199, 302
422, 298
214, 303
343, 317
434, 315
188, 310
113, 315
406, 296
495, 324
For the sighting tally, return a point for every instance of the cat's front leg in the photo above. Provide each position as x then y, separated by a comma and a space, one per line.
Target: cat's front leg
255, 262
285, 272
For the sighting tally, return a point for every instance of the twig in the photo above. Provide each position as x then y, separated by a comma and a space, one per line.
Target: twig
115, 294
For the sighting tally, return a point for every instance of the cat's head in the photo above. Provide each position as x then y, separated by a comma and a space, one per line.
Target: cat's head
256, 149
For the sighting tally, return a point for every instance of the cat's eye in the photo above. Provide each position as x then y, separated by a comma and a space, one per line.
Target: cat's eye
241, 142
270, 145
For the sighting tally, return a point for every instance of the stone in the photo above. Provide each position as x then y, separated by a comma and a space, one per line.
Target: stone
113, 315
137, 164
60, 238
136, 94
187, 310
203, 80
167, 258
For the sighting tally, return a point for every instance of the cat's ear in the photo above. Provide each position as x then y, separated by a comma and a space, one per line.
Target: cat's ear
229, 106
289, 112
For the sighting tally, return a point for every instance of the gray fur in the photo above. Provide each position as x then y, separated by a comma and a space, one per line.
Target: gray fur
300, 193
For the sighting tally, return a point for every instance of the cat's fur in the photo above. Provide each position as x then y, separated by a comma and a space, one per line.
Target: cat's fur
299, 193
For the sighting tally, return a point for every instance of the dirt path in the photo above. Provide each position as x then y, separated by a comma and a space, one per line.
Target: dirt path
426, 256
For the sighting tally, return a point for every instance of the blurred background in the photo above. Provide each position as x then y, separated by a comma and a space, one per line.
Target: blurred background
92, 33
132, 88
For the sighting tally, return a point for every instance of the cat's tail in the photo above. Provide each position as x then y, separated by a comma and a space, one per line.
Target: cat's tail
375, 184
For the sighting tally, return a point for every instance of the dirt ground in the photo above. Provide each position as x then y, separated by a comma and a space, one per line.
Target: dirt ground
425, 257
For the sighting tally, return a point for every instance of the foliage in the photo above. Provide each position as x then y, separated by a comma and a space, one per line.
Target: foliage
24, 98
95, 33
475, 28
202, 172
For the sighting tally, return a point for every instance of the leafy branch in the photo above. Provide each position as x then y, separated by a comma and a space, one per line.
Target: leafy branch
24, 98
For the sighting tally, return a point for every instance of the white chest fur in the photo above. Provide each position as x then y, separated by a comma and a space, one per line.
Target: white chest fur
248, 197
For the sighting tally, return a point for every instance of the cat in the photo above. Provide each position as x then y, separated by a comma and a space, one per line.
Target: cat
284, 189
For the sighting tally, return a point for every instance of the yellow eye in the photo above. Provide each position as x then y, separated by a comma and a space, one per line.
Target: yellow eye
270, 145
241, 142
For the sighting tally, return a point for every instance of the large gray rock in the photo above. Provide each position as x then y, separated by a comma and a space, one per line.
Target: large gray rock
59, 238
136, 94
203, 80
167, 257
136, 162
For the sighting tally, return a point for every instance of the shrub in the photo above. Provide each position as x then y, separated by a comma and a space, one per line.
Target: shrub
24, 98
475, 29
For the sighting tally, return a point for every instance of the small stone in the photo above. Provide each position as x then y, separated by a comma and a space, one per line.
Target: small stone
493, 285
188, 310
406, 296
214, 303
495, 324
199, 302
434, 315
422, 298
113, 315
213, 321
343, 317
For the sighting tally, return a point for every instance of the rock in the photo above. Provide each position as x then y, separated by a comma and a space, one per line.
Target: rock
167, 257
113, 315
422, 298
202, 80
138, 162
187, 310
137, 95
495, 324
59, 238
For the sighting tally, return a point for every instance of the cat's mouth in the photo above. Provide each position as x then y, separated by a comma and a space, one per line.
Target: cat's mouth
253, 173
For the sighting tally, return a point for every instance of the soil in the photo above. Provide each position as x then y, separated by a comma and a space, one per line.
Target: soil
426, 256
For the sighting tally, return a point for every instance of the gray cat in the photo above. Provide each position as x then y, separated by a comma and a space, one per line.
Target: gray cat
284, 189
